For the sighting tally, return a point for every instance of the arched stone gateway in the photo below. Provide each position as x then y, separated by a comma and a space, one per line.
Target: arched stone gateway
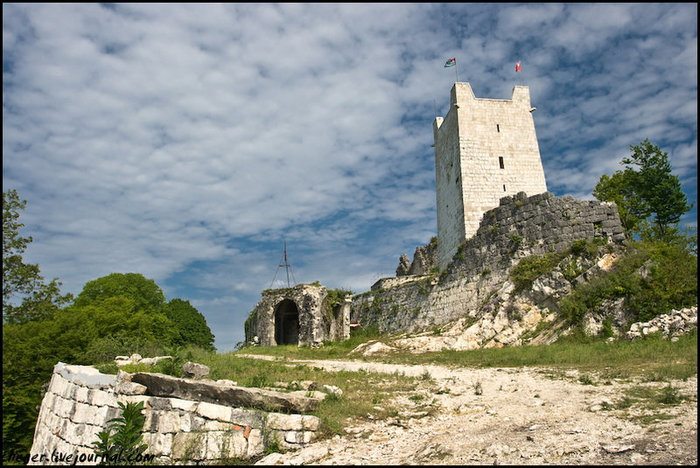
305, 315
286, 323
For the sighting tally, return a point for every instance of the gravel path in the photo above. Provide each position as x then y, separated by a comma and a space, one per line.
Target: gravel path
521, 416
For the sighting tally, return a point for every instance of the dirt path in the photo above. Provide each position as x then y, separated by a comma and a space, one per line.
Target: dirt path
521, 416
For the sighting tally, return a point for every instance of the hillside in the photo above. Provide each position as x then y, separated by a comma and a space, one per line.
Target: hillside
513, 416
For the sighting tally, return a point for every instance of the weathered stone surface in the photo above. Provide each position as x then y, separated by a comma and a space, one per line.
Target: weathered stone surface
673, 324
193, 370
85, 376
167, 386
425, 258
291, 422
300, 315
404, 265
371, 348
520, 227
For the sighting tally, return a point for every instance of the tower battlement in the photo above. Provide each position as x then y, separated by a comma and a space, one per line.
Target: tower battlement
485, 149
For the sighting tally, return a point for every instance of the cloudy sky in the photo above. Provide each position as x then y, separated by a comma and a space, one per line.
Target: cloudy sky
188, 142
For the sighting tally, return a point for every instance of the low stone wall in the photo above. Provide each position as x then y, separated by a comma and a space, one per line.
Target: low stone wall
80, 401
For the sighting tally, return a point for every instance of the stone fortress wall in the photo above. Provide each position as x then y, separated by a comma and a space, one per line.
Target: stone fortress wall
485, 149
80, 401
519, 227
299, 315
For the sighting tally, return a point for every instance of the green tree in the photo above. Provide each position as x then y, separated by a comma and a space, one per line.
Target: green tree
649, 197
22, 281
191, 324
145, 293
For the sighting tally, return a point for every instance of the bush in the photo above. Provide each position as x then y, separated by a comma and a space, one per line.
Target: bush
530, 268
671, 283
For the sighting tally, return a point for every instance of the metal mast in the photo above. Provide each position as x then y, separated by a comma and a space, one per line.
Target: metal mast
284, 263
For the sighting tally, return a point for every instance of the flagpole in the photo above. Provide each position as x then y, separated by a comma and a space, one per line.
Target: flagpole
456, 75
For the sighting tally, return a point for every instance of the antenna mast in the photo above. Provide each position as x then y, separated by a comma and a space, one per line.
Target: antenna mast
285, 263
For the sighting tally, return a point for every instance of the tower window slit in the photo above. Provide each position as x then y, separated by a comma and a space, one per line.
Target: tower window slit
500, 162
504, 187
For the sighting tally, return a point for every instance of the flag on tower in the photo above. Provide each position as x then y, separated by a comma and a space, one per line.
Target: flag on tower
518, 67
451, 62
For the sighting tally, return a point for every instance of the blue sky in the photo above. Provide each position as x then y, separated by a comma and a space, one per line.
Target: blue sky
186, 142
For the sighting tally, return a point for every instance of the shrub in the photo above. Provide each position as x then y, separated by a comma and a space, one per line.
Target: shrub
530, 268
126, 442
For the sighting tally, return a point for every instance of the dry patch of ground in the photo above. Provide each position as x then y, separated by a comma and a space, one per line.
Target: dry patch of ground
515, 416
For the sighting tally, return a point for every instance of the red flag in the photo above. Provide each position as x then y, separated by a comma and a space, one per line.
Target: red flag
518, 67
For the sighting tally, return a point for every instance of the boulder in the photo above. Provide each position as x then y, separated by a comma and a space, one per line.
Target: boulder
223, 394
192, 370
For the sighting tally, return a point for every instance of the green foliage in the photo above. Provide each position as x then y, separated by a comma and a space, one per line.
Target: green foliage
114, 315
334, 300
21, 281
670, 282
145, 293
530, 268
191, 324
584, 249
126, 443
645, 192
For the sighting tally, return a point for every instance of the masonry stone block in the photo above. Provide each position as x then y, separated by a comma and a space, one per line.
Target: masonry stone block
212, 411
291, 422
184, 405
248, 417
190, 422
256, 444
85, 414
90, 434
159, 443
189, 445
168, 422
298, 437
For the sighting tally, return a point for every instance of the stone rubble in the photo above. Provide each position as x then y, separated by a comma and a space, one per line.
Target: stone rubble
671, 325
137, 359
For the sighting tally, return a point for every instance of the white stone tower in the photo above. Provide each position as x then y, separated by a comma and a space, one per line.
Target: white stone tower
485, 149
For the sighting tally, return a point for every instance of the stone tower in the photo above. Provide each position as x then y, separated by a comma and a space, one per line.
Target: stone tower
485, 149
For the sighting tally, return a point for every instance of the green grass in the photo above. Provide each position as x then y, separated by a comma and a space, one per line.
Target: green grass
652, 358
361, 390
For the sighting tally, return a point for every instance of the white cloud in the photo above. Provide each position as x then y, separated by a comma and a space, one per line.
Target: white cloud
185, 141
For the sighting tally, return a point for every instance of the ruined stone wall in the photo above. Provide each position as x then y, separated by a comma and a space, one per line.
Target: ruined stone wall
485, 149
425, 260
520, 227
317, 320
80, 401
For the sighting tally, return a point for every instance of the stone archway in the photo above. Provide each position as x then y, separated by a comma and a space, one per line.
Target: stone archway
287, 323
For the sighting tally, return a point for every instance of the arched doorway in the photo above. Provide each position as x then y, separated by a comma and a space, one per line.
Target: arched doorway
287, 323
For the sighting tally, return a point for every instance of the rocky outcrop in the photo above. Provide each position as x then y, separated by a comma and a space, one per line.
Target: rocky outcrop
671, 325
192, 370
404, 265
137, 359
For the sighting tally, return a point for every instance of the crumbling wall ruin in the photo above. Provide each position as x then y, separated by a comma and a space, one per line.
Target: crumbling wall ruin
519, 227
306, 314
80, 401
